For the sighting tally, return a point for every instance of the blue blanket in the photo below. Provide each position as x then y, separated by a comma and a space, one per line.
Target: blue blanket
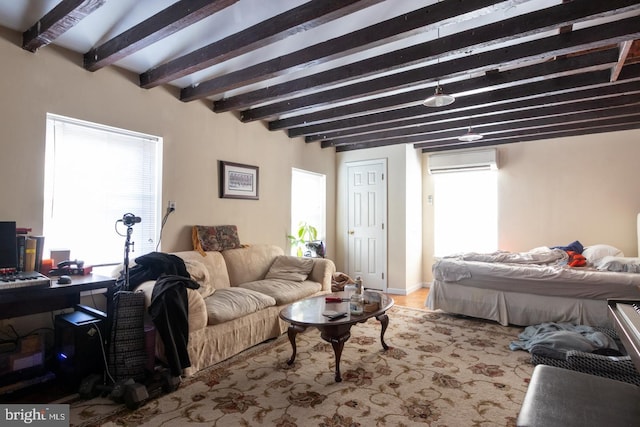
575, 246
555, 339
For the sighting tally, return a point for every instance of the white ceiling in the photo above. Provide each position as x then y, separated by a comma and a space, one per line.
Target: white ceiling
507, 45
116, 16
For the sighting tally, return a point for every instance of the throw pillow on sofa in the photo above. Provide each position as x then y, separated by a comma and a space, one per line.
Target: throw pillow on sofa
214, 238
290, 268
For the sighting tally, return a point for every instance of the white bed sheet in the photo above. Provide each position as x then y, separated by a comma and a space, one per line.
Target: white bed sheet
528, 294
546, 280
515, 308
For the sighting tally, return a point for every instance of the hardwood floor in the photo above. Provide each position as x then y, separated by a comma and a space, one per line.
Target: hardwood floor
414, 299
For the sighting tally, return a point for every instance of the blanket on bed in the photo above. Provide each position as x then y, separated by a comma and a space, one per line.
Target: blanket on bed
542, 255
454, 271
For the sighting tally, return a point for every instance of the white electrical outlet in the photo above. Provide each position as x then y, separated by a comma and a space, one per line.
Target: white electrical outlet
172, 205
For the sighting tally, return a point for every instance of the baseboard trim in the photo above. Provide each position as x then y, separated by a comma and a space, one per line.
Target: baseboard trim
406, 291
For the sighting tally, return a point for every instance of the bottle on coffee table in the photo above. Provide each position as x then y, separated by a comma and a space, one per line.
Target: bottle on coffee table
356, 303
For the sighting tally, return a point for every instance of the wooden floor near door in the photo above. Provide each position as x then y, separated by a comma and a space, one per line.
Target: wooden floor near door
414, 299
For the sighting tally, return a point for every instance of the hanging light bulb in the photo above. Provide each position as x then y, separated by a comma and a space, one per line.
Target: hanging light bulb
438, 99
470, 136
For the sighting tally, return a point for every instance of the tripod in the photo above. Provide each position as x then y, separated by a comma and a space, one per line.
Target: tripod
129, 220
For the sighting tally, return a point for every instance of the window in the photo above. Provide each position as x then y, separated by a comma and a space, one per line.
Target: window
308, 201
465, 212
94, 175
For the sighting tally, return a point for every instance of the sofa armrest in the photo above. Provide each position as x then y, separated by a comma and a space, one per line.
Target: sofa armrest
197, 308
322, 272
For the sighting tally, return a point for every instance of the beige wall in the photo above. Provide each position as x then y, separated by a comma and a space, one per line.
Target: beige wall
53, 81
550, 192
556, 191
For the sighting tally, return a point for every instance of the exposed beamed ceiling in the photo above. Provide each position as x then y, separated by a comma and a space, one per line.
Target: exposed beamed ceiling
351, 74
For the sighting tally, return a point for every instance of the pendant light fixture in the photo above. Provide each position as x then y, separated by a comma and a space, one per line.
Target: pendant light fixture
470, 136
438, 99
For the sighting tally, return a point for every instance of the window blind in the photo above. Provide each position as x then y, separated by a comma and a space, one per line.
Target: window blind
95, 174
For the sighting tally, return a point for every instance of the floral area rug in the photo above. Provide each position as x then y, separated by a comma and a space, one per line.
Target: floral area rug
440, 370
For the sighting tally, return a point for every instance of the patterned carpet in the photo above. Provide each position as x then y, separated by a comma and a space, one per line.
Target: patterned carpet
440, 370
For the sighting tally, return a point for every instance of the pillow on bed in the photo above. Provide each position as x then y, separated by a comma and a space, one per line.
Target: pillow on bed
595, 253
619, 264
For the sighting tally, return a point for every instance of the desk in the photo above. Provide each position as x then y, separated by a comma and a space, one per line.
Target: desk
25, 301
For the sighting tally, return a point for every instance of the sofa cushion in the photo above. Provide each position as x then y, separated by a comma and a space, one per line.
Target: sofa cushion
290, 268
284, 291
232, 303
216, 270
250, 263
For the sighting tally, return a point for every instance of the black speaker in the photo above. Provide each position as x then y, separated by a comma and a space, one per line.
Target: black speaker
79, 345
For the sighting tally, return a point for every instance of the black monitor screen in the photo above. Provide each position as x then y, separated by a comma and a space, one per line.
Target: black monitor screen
8, 247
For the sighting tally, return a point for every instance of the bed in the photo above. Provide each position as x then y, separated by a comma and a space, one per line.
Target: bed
536, 286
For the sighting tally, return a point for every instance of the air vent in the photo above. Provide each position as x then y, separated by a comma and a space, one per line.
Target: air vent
485, 159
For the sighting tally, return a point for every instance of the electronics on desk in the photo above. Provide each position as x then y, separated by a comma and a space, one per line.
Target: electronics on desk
11, 275
71, 268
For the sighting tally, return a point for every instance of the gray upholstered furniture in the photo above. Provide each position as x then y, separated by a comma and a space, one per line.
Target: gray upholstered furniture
559, 397
619, 368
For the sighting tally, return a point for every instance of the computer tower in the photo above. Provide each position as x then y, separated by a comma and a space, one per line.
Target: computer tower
79, 338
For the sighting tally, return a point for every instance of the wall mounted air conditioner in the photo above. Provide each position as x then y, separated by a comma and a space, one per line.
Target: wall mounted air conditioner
485, 159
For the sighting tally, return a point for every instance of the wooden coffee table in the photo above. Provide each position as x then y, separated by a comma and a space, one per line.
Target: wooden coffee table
309, 313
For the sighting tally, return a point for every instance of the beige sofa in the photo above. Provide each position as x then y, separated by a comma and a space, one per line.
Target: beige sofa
241, 294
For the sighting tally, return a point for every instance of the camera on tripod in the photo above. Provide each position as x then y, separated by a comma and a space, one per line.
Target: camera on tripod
130, 219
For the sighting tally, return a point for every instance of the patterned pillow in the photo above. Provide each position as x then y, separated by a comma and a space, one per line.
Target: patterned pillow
214, 238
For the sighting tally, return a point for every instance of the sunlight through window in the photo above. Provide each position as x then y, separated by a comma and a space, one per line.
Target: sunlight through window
465, 212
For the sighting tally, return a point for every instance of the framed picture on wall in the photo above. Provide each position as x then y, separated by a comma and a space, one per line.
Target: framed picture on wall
238, 181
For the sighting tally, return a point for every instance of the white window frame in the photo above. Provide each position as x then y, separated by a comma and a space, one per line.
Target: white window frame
88, 188
308, 201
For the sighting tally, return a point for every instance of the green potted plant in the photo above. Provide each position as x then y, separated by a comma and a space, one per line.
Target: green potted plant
306, 233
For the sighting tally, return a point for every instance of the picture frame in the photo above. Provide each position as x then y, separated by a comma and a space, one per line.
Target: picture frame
238, 181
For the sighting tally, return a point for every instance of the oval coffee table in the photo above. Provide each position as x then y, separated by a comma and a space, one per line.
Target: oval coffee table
309, 313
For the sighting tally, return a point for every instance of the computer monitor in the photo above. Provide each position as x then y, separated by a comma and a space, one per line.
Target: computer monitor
8, 245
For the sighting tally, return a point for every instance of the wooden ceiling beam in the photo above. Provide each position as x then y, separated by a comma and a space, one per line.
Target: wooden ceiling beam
518, 121
599, 126
624, 52
459, 43
602, 93
466, 65
508, 120
488, 142
391, 30
563, 89
301, 18
634, 53
416, 111
492, 81
60, 19
164, 23
524, 53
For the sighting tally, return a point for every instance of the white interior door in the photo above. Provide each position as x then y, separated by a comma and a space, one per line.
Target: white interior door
367, 199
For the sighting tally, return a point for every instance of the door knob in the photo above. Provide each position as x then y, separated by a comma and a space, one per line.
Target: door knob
351, 232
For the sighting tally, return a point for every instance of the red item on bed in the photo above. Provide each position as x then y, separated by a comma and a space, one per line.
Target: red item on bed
576, 259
